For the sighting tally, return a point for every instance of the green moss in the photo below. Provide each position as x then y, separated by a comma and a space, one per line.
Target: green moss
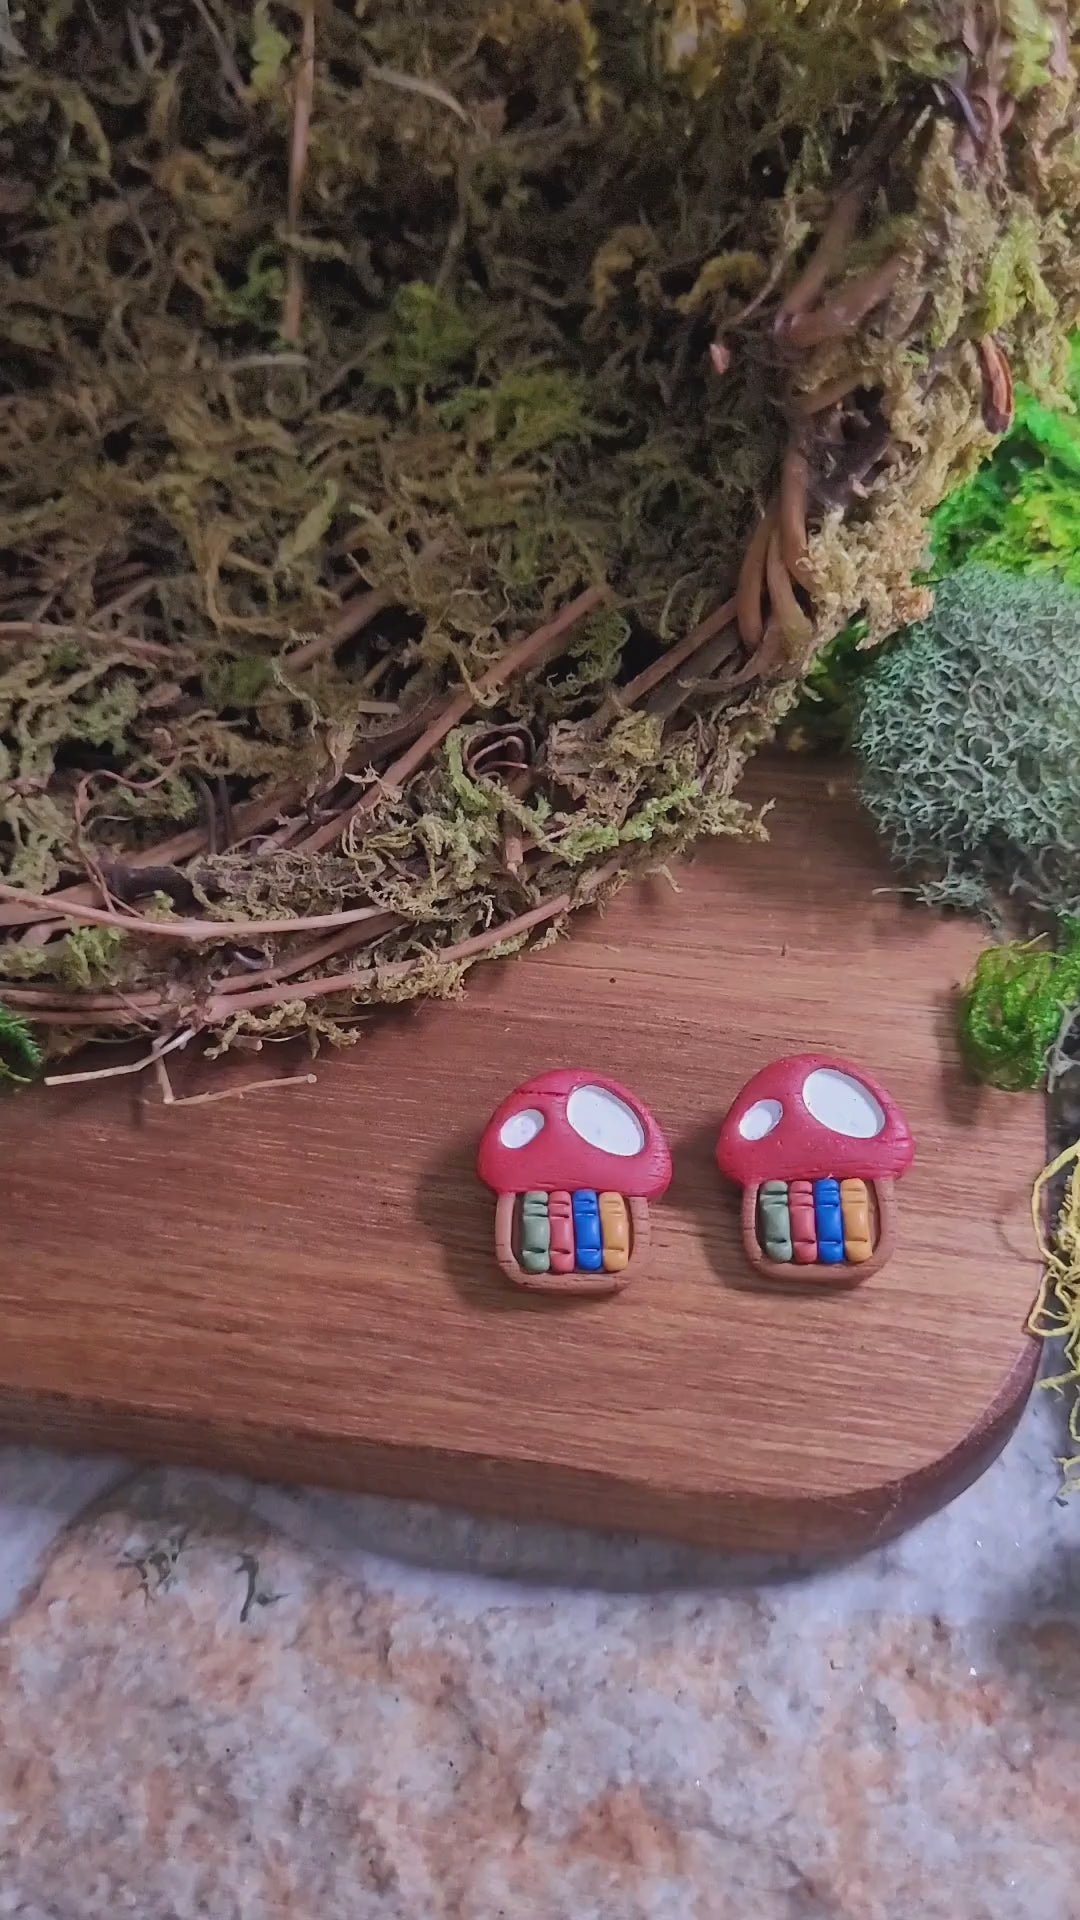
428, 336
1031, 45
270, 49
1022, 510
527, 411
237, 682
20, 1055
1013, 1007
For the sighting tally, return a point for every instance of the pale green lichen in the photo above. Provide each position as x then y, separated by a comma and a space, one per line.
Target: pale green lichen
967, 734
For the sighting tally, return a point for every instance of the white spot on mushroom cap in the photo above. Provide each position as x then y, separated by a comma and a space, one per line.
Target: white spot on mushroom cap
842, 1103
602, 1120
521, 1127
760, 1119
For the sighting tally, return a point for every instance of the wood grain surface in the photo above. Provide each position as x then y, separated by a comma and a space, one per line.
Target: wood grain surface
304, 1285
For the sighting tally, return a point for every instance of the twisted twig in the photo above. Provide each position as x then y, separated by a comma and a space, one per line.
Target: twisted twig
507, 754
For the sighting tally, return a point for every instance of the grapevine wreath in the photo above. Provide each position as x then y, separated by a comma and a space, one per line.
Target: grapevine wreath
437, 439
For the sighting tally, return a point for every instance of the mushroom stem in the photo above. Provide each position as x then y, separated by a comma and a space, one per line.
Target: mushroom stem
884, 1192
641, 1222
817, 1274
583, 1285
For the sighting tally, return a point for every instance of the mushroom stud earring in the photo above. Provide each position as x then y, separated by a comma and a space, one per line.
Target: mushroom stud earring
574, 1160
816, 1145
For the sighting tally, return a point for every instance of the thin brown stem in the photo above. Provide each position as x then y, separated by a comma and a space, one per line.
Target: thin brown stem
248, 821
355, 615
794, 491
298, 157
847, 309
313, 956
796, 626
519, 658
76, 1016
667, 700
827, 257
830, 395
149, 650
40, 1000
749, 613
764, 660
191, 932
129, 598
674, 657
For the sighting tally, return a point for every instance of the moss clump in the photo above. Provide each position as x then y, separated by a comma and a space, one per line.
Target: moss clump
967, 735
967, 730
1014, 1007
342, 347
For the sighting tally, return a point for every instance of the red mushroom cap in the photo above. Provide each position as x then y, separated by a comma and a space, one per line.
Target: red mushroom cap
813, 1117
568, 1130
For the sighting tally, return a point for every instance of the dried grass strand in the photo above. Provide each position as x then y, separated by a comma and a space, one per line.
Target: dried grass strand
298, 154
157, 1052
171, 1099
415, 83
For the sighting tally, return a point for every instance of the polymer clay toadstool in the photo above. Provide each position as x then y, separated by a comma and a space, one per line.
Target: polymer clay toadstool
574, 1159
816, 1144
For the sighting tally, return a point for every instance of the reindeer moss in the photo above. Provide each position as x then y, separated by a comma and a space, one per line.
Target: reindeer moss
968, 735
521, 225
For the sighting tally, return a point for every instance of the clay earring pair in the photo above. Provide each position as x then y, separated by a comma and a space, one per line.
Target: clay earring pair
574, 1160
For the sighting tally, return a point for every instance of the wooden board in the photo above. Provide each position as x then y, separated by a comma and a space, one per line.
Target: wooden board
303, 1285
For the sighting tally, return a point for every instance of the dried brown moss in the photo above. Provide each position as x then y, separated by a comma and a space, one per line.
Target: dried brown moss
250, 558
